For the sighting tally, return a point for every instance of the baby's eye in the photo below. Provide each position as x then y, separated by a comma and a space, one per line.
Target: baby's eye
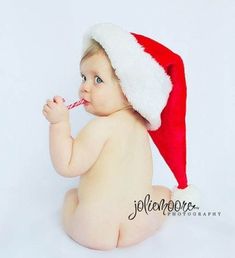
83, 77
98, 79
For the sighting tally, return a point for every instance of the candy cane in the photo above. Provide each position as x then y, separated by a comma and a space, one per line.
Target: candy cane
75, 104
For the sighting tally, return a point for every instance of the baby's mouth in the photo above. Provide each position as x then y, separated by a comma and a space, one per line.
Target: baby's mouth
86, 102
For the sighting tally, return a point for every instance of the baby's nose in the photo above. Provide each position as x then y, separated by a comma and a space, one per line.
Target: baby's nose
82, 90
86, 86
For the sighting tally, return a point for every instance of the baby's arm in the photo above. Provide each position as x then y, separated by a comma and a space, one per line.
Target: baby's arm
61, 143
88, 145
73, 157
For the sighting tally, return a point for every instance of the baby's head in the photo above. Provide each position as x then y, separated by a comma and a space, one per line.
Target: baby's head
100, 85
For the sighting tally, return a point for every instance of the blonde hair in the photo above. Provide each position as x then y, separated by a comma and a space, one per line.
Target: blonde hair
96, 48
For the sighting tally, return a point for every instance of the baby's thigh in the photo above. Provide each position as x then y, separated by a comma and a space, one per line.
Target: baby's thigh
144, 225
161, 192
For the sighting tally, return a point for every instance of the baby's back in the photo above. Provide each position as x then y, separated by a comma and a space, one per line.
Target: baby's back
121, 175
123, 171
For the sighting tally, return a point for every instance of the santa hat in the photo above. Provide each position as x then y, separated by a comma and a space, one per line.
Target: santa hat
153, 80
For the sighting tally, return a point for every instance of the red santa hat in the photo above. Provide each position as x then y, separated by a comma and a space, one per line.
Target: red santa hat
153, 80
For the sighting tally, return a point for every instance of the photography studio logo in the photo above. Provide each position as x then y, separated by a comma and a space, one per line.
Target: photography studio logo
170, 208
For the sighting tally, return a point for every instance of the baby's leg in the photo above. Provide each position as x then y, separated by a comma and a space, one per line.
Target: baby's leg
69, 206
161, 192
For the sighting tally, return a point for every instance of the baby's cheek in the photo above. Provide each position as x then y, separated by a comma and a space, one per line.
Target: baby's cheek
100, 99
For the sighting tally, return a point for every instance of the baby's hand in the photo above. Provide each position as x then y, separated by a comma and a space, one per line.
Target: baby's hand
55, 111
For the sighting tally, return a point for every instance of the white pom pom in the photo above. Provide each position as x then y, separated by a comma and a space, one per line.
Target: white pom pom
189, 194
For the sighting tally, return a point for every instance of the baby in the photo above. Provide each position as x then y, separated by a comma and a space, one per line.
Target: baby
112, 156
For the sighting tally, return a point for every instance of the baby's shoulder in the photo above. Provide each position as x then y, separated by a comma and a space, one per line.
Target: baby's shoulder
100, 123
97, 129
109, 125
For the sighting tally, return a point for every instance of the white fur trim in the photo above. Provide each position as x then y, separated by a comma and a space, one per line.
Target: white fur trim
189, 194
144, 81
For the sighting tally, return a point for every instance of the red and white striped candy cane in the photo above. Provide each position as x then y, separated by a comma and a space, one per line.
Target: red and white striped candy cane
75, 104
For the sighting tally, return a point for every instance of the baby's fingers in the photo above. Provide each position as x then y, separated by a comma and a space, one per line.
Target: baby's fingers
44, 113
58, 99
50, 103
46, 108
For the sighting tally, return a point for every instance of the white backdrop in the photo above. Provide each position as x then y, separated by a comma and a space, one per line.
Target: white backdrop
40, 45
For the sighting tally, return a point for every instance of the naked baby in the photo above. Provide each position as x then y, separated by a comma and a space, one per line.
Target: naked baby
112, 154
